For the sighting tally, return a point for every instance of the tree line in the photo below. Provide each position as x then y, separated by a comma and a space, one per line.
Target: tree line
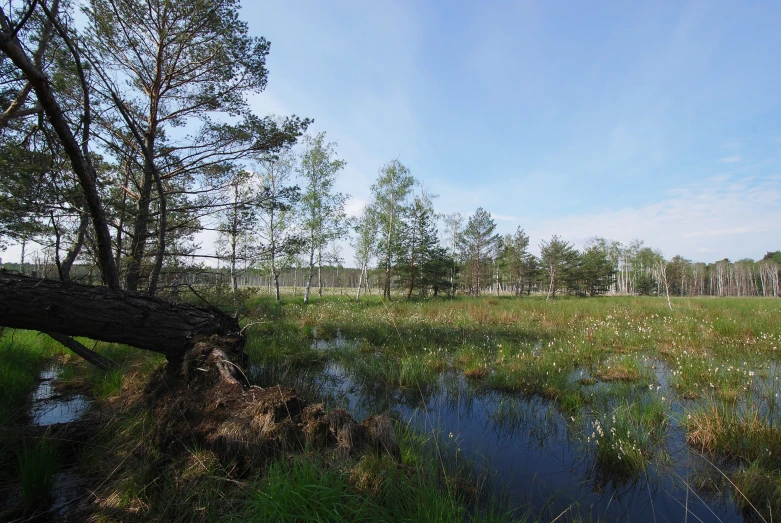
122, 139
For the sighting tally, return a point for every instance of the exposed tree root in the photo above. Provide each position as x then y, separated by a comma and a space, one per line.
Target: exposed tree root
208, 402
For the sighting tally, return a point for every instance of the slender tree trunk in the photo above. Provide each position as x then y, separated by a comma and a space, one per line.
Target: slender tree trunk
82, 351
233, 272
154, 277
122, 215
21, 262
311, 266
140, 231
82, 166
320, 270
73, 252
552, 288
360, 282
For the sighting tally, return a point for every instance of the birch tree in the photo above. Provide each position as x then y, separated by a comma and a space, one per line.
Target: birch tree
322, 207
278, 214
391, 194
364, 243
454, 225
237, 223
660, 267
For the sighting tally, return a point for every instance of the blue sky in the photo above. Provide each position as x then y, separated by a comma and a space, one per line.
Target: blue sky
659, 121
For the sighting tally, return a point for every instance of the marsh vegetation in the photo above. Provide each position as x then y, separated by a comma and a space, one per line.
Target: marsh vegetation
504, 409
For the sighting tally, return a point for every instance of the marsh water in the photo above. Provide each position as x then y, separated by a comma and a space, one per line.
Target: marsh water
530, 454
50, 407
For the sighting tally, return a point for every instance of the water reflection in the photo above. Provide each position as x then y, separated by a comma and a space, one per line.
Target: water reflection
50, 407
537, 455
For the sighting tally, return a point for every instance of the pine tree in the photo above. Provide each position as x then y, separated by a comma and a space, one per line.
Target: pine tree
478, 243
418, 244
559, 260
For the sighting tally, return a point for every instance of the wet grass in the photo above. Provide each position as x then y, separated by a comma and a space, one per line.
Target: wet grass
23, 355
625, 442
38, 461
628, 367
621, 374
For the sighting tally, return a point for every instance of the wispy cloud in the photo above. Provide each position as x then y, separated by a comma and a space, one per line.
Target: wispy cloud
721, 217
731, 159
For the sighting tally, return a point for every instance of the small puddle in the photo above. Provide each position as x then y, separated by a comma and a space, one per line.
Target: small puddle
50, 406
337, 342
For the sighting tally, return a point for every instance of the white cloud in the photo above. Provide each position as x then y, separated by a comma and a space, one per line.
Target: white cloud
731, 159
354, 207
722, 216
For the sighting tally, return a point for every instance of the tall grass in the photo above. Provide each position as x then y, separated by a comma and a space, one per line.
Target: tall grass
625, 442
37, 465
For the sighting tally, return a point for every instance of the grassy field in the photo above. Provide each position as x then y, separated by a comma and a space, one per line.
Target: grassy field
624, 374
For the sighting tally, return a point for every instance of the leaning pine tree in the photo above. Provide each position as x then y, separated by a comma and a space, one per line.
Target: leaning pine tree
203, 397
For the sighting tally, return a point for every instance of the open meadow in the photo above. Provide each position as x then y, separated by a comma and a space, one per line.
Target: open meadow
505, 409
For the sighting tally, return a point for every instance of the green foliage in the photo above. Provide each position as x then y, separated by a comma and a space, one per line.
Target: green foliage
478, 243
595, 272
645, 285
322, 208
515, 258
773, 255
560, 261
390, 206
419, 266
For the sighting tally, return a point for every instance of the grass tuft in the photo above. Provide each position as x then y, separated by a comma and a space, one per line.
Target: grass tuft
37, 465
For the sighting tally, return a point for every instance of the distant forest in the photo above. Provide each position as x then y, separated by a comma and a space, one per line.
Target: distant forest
631, 275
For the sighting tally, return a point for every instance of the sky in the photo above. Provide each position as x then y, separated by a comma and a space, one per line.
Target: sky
659, 121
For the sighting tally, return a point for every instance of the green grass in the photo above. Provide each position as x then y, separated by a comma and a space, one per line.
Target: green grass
38, 462
599, 365
303, 490
595, 358
23, 355
625, 442
424, 489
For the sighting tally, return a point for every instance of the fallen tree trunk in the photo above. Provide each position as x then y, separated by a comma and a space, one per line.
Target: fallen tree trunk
107, 314
202, 396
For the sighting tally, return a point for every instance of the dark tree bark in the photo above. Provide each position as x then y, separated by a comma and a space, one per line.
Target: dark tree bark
105, 314
79, 349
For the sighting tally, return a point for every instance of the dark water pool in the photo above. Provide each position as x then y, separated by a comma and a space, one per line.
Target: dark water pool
533, 455
50, 407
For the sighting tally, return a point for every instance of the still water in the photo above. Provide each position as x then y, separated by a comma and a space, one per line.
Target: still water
532, 455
